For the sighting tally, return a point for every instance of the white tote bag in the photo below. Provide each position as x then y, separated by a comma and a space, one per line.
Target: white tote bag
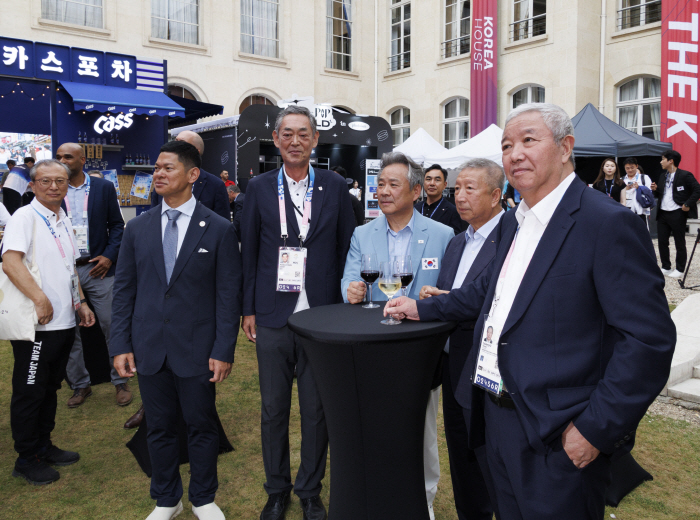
18, 319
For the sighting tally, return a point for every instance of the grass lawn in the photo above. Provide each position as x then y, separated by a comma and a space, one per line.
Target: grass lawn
107, 482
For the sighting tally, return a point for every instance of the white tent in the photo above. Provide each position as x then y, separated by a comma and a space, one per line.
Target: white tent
420, 145
486, 145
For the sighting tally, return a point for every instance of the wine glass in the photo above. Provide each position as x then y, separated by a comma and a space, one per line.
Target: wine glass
389, 284
403, 269
369, 273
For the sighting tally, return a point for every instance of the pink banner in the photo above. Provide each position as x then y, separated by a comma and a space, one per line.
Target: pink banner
484, 63
679, 80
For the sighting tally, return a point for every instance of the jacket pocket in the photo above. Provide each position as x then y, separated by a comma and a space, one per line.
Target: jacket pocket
563, 398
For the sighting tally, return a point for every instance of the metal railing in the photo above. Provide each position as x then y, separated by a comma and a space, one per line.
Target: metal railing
456, 47
528, 28
639, 15
399, 61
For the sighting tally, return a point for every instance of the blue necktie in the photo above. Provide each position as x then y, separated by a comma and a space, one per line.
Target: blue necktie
170, 242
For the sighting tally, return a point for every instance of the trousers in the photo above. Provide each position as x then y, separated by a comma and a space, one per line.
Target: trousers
36, 378
672, 223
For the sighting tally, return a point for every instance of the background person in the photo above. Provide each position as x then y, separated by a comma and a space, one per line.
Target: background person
15, 187
609, 181
579, 373
236, 200
633, 179
478, 190
326, 240
678, 193
358, 209
41, 366
401, 230
93, 209
436, 206
224, 177
355, 191
176, 311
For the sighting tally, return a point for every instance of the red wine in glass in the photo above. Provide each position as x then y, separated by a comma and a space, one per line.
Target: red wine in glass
371, 276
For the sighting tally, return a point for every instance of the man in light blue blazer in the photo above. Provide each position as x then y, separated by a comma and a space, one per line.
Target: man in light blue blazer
402, 231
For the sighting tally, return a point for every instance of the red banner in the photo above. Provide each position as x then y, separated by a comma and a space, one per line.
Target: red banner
484, 65
679, 79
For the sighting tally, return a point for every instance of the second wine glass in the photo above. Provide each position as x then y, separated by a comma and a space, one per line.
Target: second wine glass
389, 284
403, 269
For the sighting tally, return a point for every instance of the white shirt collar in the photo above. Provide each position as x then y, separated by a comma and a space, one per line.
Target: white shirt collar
187, 208
545, 208
46, 212
486, 229
304, 182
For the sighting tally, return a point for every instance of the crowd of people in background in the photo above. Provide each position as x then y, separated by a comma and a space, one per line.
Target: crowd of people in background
171, 289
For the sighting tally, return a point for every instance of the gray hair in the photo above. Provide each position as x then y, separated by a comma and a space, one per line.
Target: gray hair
415, 172
233, 188
47, 162
295, 109
556, 119
495, 176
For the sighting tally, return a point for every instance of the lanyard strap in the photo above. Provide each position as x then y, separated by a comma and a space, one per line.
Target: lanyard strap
436, 208
304, 228
85, 204
66, 262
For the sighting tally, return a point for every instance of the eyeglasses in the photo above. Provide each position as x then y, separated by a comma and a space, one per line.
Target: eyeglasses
60, 183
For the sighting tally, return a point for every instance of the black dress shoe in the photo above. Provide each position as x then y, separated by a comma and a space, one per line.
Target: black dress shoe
313, 508
35, 471
276, 506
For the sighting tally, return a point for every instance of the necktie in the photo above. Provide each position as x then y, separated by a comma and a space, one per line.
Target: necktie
170, 242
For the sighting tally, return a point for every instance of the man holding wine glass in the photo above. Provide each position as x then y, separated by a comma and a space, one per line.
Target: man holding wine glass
400, 232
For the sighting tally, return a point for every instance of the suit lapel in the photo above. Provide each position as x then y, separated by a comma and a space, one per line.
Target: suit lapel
192, 237
199, 185
486, 253
418, 241
379, 240
91, 200
155, 239
450, 263
316, 200
546, 251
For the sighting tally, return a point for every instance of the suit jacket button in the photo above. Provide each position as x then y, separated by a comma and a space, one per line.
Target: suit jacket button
627, 437
167, 320
167, 296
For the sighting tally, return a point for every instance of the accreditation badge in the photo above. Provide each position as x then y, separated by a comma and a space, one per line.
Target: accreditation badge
75, 291
486, 373
81, 237
291, 270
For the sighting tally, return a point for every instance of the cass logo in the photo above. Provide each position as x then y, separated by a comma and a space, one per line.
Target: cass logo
109, 109
132, 110
171, 113
151, 111
88, 107
107, 124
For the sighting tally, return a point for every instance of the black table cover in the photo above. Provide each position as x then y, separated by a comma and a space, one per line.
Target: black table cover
374, 382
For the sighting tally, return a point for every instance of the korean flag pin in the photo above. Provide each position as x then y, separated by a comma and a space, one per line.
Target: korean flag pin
320, 188
202, 224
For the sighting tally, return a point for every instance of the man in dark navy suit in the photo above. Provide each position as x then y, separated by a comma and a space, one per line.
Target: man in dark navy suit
571, 371
175, 318
436, 206
314, 214
209, 189
478, 190
93, 209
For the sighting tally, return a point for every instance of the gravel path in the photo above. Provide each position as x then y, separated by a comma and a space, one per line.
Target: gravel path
676, 409
674, 293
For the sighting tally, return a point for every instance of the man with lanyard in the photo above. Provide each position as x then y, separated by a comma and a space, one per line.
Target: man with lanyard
566, 380
436, 207
679, 197
93, 209
41, 232
306, 214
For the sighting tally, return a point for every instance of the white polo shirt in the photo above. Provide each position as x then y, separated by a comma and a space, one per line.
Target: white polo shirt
55, 277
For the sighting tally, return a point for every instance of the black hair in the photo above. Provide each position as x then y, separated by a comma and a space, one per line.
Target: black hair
672, 155
437, 167
632, 161
29, 158
187, 154
340, 170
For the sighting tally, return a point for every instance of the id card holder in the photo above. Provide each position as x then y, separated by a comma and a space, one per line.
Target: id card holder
81, 237
75, 292
486, 373
291, 269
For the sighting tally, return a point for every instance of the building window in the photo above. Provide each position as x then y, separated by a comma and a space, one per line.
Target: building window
255, 99
400, 120
455, 123
639, 107
339, 34
87, 13
634, 13
176, 20
260, 28
529, 19
400, 35
530, 94
177, 90
457, 35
